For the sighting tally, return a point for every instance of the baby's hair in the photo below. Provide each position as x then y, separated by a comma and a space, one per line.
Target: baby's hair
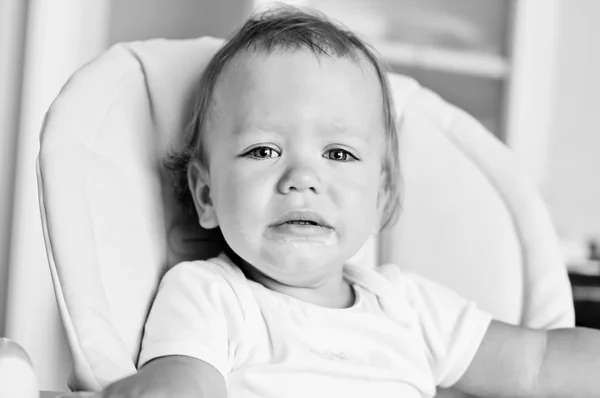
287, 28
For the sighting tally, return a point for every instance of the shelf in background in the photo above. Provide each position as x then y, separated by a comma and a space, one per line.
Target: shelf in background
448, 60
586, 299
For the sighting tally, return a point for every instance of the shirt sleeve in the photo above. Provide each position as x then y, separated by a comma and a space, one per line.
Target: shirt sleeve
452, 326
196, 313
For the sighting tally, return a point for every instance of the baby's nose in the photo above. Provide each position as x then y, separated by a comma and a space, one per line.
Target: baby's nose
300, 179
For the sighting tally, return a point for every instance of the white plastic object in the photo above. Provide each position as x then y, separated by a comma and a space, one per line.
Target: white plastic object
17, 377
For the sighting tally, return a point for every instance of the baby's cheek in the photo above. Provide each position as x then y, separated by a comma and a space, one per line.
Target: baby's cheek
369, 188
358, 202
369, 203
236, 220
246, 200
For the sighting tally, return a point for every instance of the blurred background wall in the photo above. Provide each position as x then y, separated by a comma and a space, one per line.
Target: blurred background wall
43, 41
571, 186
12, 37
174, 19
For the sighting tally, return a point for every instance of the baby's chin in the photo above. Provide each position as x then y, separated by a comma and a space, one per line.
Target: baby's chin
301, 263
301, 237
301, 254
292, 263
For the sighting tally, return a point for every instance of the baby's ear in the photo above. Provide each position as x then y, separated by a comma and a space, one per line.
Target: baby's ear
199, 183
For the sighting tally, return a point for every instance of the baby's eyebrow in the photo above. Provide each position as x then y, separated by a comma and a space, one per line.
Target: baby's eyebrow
330, 131
341, 131
237, 132
351, 139
261, 127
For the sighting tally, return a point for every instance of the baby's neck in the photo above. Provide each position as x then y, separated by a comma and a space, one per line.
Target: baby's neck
335, 292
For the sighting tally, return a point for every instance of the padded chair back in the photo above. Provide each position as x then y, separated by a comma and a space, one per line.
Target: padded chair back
112, 229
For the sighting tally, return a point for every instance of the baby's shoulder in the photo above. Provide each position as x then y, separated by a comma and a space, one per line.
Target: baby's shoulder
393, 279
398, 276
205, 272
382, 274
217, 281
391, 272
382, 280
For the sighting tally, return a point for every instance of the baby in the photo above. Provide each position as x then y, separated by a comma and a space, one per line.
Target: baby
293, 154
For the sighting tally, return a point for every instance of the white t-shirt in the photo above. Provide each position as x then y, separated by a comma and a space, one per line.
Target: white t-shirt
403, 336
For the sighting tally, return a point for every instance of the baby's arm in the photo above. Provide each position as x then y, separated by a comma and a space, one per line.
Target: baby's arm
520, 362
193, 322
170, 377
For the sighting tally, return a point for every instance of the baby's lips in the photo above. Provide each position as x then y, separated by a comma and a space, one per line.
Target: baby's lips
302, 215
301, 234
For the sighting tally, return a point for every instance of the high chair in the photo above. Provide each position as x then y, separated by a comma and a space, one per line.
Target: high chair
470, 218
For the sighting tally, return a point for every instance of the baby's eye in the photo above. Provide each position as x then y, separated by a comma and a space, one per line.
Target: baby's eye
340, 155
263, 152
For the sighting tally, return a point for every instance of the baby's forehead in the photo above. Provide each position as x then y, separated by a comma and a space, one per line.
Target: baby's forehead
268, 82
251, 64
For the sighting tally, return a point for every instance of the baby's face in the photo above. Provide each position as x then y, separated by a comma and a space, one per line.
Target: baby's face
295, 147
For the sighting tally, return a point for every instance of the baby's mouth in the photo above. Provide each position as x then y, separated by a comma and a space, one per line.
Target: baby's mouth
308, 227
302, 227
304, 222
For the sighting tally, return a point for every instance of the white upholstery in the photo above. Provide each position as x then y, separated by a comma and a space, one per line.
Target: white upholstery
470, 220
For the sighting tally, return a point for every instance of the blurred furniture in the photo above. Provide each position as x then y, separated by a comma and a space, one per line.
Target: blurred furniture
584, 274
470, 219
586, 295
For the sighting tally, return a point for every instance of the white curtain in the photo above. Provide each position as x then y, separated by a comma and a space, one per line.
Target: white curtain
61, 36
